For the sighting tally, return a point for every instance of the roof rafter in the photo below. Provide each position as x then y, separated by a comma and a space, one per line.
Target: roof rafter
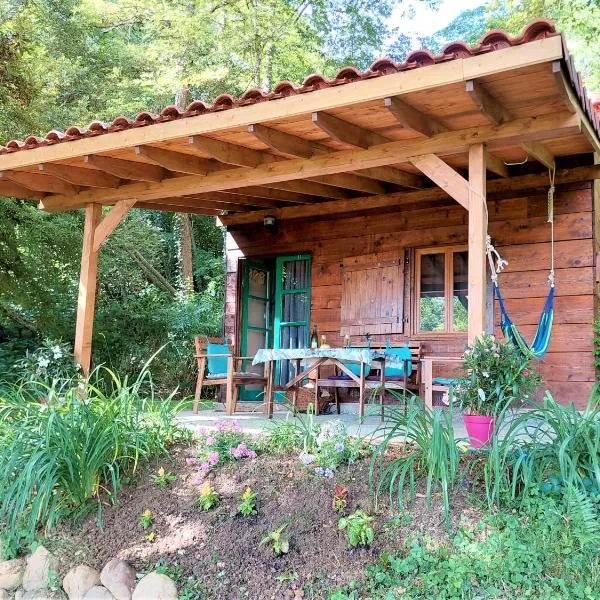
40, 183
126, 169
80, 176
178, 162
413, 119
346, 132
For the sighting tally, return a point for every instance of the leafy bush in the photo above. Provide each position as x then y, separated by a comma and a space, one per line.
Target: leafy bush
552, 447
430, 451
359, 531
58, 457
495, 374
537, 553
282, 437
51, 363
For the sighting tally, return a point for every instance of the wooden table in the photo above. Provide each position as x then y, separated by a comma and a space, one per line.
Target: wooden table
427, 375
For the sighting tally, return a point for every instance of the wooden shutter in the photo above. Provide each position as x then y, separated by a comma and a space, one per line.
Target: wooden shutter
373, 294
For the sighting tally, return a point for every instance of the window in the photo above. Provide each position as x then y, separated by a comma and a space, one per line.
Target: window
442, 286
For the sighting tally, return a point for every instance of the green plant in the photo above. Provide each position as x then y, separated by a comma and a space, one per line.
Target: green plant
146, 519
359, 531
340, 498
163, 479
279, 540
50, 364
208, 497
495, 374
57, 459
429, 450
248, 505
283, 437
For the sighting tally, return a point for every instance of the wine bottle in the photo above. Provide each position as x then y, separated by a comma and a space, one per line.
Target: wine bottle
314, 339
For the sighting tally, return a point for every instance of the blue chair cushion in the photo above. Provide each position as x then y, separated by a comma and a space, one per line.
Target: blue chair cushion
354, 368
449, 381
403, 353
217, 364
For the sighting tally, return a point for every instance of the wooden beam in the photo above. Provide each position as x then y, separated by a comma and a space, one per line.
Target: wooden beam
552, 126
563, 87
87, 289
179, 162
374, 89
495, 165
275, 194
231, 154
80, 177
391, 201
15, 190
346, 132
477, 287
413, 119
300, 147
308, 187
109, 223
39, 183
190, 209
126, 169
351, 182
444, 176
496, 113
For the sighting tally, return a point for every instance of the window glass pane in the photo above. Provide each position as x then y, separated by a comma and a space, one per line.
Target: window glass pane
255, 341
257, 313
294, 307
257, 282
295, 274
432, 302
459, 297
292, 336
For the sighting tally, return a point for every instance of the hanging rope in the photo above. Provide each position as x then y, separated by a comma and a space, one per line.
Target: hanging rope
552, 176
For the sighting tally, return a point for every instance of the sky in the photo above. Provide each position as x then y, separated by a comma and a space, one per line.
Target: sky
425, 21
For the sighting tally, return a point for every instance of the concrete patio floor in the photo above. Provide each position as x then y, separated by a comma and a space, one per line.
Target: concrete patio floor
255, 422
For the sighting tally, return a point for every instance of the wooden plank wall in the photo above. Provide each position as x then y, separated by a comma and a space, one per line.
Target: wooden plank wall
519, 228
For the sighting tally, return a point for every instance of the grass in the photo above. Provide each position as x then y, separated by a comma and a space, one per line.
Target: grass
61, 455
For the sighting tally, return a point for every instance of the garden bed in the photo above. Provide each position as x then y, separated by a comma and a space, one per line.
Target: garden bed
220, 549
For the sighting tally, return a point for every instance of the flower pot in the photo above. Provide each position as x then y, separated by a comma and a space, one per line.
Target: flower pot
479, 428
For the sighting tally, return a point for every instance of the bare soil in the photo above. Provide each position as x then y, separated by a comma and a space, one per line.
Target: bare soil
221, 548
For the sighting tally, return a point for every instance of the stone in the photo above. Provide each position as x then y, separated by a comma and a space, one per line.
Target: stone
41, 568
118, 577
98, 592
155, 586
11, 573
79, 581
4, 595
43, 595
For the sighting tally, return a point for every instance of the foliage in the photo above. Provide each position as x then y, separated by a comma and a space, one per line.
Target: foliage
279, 540
359, 531
248, 505
430, 451
597, 344
551, 448
52, 362
282, 437
146, 519
215, 448
62, 457
163, 479
537, 553
495, 374
340, 498
208, 497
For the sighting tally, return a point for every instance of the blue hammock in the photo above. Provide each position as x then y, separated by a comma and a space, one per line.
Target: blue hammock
541, 341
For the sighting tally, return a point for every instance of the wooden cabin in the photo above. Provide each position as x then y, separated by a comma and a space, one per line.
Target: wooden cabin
361, 204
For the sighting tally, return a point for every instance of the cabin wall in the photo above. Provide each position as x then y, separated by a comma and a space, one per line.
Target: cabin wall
519, 228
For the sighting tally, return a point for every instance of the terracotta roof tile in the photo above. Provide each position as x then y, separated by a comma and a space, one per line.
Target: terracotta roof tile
493, 40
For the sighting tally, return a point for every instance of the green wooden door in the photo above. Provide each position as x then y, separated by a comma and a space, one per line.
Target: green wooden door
292, 308
256, 326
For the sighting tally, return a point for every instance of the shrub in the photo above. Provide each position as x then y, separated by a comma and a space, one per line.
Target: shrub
50, 364
58, 457
359, 531
283, 437
429, 451
495, 374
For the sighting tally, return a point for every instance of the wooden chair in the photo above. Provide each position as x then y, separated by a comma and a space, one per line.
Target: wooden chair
218, 366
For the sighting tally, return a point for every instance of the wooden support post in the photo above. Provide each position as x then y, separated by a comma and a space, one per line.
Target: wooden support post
87, 288
477, 239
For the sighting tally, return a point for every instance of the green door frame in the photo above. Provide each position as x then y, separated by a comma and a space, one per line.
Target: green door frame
279, 295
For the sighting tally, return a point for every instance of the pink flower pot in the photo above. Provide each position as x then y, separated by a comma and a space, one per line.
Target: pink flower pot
479, 428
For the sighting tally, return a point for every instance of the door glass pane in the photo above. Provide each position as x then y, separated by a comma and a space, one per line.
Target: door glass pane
257, 282
254, 341
459, 297
295, 274
292, 336
295, 307
257, 313
432, 302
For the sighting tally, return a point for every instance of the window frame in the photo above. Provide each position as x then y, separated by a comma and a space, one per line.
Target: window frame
448, 252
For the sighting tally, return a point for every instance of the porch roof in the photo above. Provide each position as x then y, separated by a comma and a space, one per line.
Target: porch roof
359, 139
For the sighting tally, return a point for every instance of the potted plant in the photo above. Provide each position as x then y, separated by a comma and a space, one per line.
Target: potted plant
495, 375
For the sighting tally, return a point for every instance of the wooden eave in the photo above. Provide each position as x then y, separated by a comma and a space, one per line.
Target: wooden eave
350, 145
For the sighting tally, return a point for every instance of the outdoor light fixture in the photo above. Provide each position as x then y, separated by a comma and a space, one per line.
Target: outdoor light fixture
270, 223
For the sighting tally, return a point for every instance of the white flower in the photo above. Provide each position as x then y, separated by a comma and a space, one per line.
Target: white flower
486, 374
57, 351
43, 362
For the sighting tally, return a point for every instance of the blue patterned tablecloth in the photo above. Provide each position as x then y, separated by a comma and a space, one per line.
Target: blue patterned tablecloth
358, 355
